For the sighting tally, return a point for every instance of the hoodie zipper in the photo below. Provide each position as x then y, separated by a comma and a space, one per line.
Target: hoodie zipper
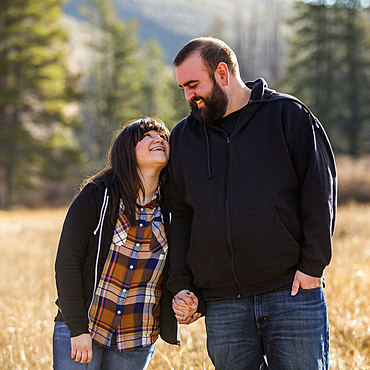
228, 217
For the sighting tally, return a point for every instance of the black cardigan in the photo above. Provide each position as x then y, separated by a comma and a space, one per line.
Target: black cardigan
76, 260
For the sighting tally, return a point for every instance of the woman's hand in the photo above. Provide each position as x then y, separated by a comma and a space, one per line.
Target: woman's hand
185, 305
81, 348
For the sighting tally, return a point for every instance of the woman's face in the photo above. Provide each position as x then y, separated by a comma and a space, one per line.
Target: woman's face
152, 151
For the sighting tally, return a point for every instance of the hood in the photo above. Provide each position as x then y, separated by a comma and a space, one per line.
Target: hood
260, 90
261, 93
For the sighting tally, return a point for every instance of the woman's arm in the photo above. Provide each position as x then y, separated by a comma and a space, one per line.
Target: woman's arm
80, 222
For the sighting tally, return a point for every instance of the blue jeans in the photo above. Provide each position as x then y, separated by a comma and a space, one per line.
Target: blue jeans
103, 359
269, 331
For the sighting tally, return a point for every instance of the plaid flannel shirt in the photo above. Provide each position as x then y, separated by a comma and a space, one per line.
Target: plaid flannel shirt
126, 300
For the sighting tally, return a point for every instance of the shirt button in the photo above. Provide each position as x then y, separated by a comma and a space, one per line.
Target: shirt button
118, 312
131, 267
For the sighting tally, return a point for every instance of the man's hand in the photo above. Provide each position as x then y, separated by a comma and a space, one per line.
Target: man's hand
81, 348
185, 305
304, 281
190, 319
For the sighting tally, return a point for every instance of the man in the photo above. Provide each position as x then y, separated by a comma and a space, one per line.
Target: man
253, 196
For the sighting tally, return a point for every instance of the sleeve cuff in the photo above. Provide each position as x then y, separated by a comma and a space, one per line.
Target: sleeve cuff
312, 268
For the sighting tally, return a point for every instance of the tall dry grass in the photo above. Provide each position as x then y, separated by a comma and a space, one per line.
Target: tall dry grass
354, 179
27, 248
28, 241
348, 289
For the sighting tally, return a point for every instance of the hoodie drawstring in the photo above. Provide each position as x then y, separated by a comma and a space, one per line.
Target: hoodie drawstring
103, 211
208, 152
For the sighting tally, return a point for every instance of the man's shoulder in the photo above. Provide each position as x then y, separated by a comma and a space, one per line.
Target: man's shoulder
290, 102
187, 124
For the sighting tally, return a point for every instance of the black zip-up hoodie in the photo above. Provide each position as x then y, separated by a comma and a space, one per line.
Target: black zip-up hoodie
83, 249
250, 209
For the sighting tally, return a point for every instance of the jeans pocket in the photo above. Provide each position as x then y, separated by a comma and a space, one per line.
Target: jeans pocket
61, 331
310, 290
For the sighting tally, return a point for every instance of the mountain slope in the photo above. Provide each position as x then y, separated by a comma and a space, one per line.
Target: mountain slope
174, 22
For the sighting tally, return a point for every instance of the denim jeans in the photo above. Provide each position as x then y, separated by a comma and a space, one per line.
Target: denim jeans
269, 331
103, 359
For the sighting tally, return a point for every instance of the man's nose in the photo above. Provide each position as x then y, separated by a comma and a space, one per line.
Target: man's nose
188, 94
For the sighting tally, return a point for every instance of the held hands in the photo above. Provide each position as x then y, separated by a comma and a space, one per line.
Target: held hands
304, 281
185, 305
81, 348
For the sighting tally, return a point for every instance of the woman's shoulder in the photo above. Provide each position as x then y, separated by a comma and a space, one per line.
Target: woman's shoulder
103, 181
97, 184
93, 190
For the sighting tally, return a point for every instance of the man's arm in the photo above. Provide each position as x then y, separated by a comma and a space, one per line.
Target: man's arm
180, 275
314, 164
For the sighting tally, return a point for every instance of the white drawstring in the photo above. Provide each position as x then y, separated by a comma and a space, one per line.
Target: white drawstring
103, 209
100, 226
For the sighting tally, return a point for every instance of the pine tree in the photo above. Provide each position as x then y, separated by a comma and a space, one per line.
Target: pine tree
355, 77
310, 72
115, 81
330, 69
162, 97
126, 80
35, 135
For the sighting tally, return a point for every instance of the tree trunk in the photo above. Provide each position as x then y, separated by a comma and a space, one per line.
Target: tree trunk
4, 167
4, 186
353, 122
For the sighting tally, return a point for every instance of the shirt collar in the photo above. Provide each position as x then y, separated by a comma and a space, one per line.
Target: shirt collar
153, 202
155, 198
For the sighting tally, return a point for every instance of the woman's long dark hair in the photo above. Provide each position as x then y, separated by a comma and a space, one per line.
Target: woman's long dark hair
122, 166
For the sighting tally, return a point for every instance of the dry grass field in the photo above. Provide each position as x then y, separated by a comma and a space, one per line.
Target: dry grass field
28, 241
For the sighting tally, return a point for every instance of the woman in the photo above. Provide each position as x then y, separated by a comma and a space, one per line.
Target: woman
110, 264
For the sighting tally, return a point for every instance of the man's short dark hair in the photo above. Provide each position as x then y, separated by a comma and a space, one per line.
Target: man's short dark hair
212, 51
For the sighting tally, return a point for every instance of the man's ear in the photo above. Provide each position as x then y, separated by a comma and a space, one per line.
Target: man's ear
222, 74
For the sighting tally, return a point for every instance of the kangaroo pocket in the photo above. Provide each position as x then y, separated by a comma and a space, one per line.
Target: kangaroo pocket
208, 255
263, 249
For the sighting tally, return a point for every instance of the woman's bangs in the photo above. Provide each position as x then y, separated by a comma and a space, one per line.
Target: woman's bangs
148, 124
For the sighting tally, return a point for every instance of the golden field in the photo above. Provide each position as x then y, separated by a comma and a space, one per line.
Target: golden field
28, 242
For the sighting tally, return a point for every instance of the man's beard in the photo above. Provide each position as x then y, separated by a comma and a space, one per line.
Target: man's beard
215, 105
